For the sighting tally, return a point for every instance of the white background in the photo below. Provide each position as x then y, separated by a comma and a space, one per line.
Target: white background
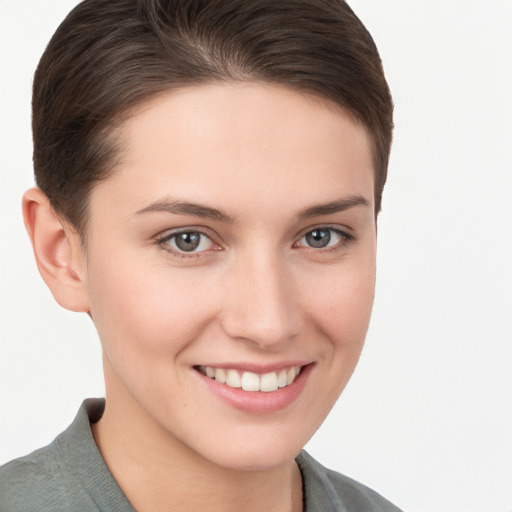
427, 417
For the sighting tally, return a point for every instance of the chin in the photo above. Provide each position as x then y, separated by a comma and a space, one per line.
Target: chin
258, 459
256, 451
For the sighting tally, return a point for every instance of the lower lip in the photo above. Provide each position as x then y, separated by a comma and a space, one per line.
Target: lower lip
259, 402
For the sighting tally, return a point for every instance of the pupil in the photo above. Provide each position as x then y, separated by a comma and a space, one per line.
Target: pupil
188, 241
318, 238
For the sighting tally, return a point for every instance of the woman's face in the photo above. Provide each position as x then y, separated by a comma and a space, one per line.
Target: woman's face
236, 241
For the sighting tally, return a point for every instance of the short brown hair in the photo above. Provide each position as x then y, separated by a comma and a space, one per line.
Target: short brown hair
108, 56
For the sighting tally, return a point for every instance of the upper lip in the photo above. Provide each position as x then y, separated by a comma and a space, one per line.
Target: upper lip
258, 368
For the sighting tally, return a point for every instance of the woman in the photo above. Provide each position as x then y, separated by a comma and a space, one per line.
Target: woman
209, 176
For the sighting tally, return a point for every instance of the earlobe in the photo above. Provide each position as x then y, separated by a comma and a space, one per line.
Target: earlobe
58, 252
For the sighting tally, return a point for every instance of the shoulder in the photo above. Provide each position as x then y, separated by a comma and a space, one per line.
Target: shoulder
32, 482
69, 474
325, 489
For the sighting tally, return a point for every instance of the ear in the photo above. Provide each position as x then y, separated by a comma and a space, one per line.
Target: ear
59, 255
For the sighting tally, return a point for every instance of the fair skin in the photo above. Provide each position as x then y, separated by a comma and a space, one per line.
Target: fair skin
272, 193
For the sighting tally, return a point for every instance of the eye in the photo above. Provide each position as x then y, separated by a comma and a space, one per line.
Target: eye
187, 242
323, 237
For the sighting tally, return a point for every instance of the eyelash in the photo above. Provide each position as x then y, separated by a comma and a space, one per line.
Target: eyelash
164, 241
344, 239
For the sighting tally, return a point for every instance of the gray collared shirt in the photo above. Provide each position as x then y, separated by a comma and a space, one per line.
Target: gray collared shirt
71, 475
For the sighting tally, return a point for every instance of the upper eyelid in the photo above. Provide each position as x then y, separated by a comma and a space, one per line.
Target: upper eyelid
202, 230
343, 230
165, 238
216, 239
345, 240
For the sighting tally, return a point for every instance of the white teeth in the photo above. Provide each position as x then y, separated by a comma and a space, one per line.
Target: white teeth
290, 376
233, 379
250, 381
281, 380
268, 382
220, 375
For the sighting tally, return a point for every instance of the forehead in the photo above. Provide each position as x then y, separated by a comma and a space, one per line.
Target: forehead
245, 141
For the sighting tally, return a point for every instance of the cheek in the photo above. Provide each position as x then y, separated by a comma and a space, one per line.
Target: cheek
151, 310
343, 303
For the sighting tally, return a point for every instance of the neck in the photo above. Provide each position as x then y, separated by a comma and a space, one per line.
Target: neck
157, 472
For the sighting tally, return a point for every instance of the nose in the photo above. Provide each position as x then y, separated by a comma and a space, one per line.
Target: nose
260, 303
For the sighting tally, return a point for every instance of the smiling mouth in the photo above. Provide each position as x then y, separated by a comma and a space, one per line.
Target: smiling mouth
249, 381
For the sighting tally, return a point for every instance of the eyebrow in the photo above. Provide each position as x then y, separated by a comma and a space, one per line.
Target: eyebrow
207, 212
185, 208
333, 207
